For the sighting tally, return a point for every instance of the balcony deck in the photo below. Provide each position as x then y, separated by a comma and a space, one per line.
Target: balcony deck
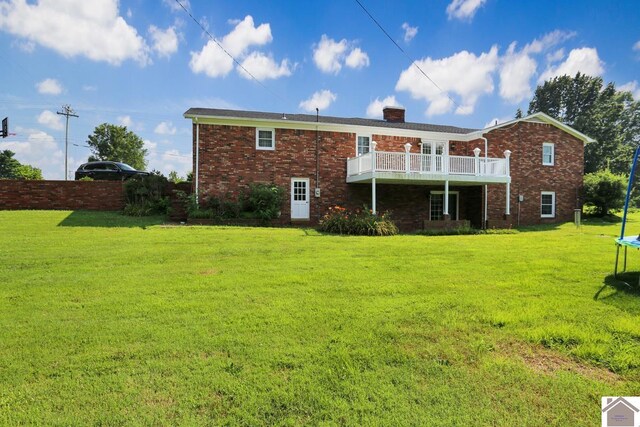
412, 168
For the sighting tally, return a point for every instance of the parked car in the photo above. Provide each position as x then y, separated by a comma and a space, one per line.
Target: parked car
113, 171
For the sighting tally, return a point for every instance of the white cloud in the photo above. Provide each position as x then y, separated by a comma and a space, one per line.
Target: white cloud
320, 100
632, 87
51, 120
165, 128
464, 9
328, 54
264, 67
357, 59
517, 68
548, 41
39, 149
175, 7
93, 29
130, 123
24, 45
636, 46
165, 42
125, 121
584, 60
465, 74
213, 62
556, 56
409, 32
516, 71
89, 88
374, 110
49, 87
168, 160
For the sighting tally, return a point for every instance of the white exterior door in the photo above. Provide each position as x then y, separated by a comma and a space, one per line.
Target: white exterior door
299, 198
435, 150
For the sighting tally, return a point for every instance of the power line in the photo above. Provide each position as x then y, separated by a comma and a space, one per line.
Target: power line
413, 62
150, 151
228, 54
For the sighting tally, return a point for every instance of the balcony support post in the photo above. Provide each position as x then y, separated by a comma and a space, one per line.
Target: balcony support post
445, 210
507, 211
373, 196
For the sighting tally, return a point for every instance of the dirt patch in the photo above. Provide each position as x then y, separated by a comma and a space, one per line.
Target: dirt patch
549, 362
209, 272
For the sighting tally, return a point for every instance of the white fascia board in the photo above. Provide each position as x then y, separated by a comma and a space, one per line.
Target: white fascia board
330, 127
539, 117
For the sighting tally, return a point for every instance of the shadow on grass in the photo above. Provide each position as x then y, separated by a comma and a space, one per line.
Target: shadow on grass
625, 293
108, 219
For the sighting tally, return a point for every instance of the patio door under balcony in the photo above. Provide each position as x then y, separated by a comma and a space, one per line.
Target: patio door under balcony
436, 206
433, 163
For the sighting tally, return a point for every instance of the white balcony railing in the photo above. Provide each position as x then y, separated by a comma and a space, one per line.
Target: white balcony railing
412, 163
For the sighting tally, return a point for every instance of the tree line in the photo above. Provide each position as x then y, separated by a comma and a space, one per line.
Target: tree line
609, 116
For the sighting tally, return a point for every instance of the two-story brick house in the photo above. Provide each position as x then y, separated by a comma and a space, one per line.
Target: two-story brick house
526, 171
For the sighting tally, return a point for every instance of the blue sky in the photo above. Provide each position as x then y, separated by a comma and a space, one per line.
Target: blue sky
143, 63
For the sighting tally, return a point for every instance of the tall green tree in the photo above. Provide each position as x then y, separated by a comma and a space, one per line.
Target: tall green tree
611, 117
11, 168
116, 143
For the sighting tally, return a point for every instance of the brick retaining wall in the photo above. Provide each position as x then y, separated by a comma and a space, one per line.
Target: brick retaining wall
62, 195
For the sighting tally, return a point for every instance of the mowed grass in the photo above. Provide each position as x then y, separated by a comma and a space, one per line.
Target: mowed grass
108, 320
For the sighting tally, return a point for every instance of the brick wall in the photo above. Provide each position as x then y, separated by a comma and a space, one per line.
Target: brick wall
529, 177
229, 162
63, 195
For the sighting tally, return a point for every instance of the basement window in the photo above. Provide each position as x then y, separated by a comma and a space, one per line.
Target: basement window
265, 139
547, 204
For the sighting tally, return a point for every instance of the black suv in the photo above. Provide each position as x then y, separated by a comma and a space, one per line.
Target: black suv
112, 171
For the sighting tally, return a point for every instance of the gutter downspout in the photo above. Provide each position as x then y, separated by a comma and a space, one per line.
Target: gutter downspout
197, 174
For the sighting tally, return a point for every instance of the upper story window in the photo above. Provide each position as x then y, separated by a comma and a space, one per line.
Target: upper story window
547, 204
548, 154
265, 139
363, 145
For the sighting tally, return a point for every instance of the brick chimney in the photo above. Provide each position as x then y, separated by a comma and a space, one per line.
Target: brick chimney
393, 114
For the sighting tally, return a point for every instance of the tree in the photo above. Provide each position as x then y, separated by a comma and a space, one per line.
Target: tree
518, 113
11, 168
611, 117
604, 190
116, 143
175, 178
8, 165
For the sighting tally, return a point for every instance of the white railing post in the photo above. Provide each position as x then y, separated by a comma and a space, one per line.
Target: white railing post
373, 156
407, 158
476, 153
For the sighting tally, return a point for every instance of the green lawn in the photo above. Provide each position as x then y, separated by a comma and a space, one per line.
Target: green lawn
110, 320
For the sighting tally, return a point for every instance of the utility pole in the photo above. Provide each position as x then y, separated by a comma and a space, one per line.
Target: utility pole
66, 111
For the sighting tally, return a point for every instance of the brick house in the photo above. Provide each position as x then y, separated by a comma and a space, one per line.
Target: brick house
522, 172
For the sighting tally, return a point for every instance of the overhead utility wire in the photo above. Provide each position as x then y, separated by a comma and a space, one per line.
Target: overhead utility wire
150, 151
413, 62
228, 54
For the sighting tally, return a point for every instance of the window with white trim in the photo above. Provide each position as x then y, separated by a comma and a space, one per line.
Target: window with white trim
547, 204
363, 144
548, 154
265, 139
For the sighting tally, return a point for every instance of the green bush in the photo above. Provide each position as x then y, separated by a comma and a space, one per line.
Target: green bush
264, 200
145, 195
361, 222
604, 191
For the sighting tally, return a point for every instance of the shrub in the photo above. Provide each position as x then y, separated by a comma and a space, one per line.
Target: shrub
363, 222
145, 195
264, 200
86, 178
604, 191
